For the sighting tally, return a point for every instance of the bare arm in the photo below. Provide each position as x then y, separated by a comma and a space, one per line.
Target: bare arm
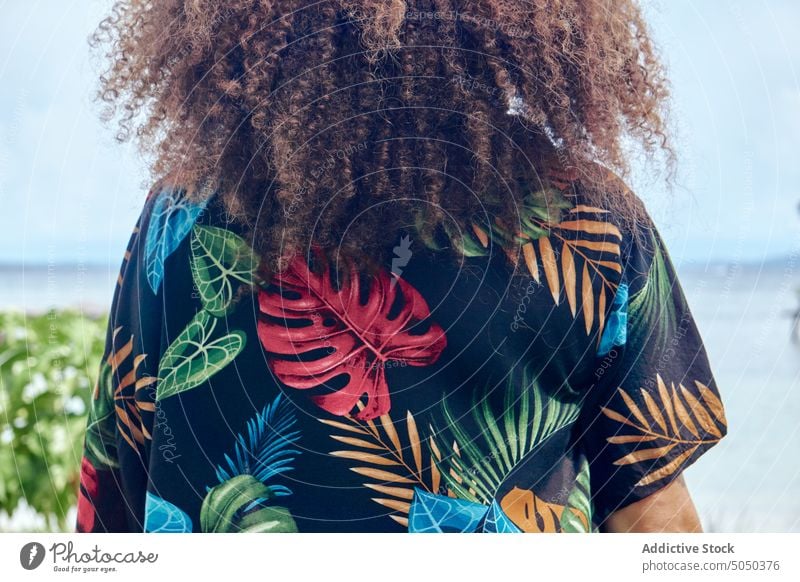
667, 510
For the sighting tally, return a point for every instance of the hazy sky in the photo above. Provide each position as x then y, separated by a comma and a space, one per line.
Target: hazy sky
68, 192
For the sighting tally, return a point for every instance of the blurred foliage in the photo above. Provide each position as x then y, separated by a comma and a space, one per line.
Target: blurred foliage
48, 367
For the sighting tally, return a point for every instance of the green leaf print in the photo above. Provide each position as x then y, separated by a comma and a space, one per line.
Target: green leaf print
239, 502
220, 261
194, 357
538, 212
579, 503
237, 506
475, 470
468, 244
560, 245
101, 430
652, 307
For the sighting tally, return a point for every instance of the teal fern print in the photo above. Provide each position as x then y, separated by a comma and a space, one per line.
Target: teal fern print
171, 221
241, 500
476, 468
265, 451
194, 356
221, 261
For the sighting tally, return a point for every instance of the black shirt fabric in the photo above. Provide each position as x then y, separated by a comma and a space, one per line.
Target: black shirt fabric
528, 383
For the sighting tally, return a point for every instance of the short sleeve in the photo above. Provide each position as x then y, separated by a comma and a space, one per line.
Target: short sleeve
654, 408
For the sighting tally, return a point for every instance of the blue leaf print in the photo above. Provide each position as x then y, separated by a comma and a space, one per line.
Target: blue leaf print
171, 221
266, 451
496, 521
615, 332
431, 513
163, 517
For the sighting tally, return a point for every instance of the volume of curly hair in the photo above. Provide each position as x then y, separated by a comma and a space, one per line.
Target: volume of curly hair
339, 123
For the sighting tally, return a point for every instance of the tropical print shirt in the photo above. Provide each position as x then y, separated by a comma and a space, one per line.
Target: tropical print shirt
534, 382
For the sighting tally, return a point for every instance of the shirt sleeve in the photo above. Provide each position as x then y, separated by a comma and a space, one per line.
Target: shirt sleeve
114, 462
655, 407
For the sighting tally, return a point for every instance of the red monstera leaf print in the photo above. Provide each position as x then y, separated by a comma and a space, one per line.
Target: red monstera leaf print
86, 496
315, 332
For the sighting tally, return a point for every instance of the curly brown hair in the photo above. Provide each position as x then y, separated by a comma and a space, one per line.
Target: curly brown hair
339, 123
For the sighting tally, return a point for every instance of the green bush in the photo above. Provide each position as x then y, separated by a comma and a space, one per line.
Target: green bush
48, 367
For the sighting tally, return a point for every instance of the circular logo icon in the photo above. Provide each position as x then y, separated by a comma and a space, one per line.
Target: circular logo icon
31, 555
